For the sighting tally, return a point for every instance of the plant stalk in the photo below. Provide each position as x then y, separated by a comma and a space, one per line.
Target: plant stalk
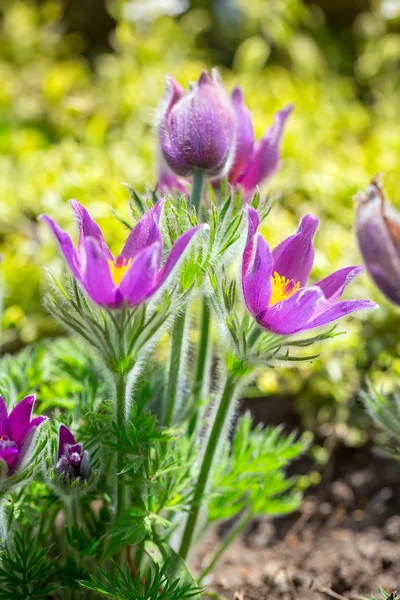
234, 532
201, 361
120, 403
212, 443
178, 333
197, 191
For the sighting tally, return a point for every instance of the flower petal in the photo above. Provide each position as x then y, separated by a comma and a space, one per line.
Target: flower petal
244, 136
4, 425
294, 257
66, 245
256, 276
140, 279
65, 437
145, 232
292, 315
266, 155
8, 451
338, 310
334, 284
20, 418
89, 228
97, 279
168, 182
177, 252
24, 450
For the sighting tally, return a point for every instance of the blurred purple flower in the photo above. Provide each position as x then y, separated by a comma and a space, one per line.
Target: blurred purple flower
274, 283
168, 182
255, 162
197, 129
17, 431
133, 276
73, 461
378, 233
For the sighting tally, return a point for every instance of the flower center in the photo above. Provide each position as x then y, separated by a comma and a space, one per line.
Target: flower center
118, 268
282, 288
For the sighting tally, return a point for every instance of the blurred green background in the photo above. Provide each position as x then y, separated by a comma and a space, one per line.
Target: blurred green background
80, 84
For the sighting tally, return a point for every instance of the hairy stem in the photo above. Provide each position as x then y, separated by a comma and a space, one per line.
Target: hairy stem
233, 533
201, 361
3, 525
197, 191
120, 404
177, 346
205, 468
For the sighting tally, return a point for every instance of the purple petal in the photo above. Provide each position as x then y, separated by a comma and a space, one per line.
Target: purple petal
338, 310
66, 245
24, 449
378, 233
176, 253
8, 451
266, 156
20, 418
253, 222
294, 257
168, 182
334, 284
244, 136
65, 437
140, 279
88, 228
4, 424
256, 277
145, 232
292, 315
97, 278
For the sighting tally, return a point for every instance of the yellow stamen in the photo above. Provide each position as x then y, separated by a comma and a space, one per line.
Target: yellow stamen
282, 288
118, 269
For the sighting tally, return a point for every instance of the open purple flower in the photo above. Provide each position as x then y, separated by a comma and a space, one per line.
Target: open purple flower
274, 282
17, 431
197, 130
378, 233
135, 274
73, 462
255, 162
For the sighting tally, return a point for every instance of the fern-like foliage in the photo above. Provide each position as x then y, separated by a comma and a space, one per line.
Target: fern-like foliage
383, 596
25, 570
385, 411
120, 586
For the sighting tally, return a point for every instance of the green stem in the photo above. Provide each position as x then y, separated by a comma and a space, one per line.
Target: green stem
234, 532
205, 468
3, 525
201, 361
120, 403
172, 390
197, 191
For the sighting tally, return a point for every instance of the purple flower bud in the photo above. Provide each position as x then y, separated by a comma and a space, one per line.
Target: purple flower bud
378, 233
197, 129
73, 461
17, 432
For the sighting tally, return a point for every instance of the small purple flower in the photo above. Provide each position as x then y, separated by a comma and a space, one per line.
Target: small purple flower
197, 130
274, 283
17, 431
133, 276
73, 462
378, 233
255, 162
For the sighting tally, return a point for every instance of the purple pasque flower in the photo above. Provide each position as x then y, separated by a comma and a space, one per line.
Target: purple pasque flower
378, 234
17, 431
253, 162
135, 274
73, 462
274, 282
197, 129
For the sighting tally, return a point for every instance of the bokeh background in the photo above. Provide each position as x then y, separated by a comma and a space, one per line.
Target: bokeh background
80, 81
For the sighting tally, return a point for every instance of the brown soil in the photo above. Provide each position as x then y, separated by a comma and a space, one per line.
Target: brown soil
343, 544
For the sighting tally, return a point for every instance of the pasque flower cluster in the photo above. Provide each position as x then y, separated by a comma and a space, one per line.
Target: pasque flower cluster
205, 130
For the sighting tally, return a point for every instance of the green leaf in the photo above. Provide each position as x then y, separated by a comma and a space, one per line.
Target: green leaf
160, 552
